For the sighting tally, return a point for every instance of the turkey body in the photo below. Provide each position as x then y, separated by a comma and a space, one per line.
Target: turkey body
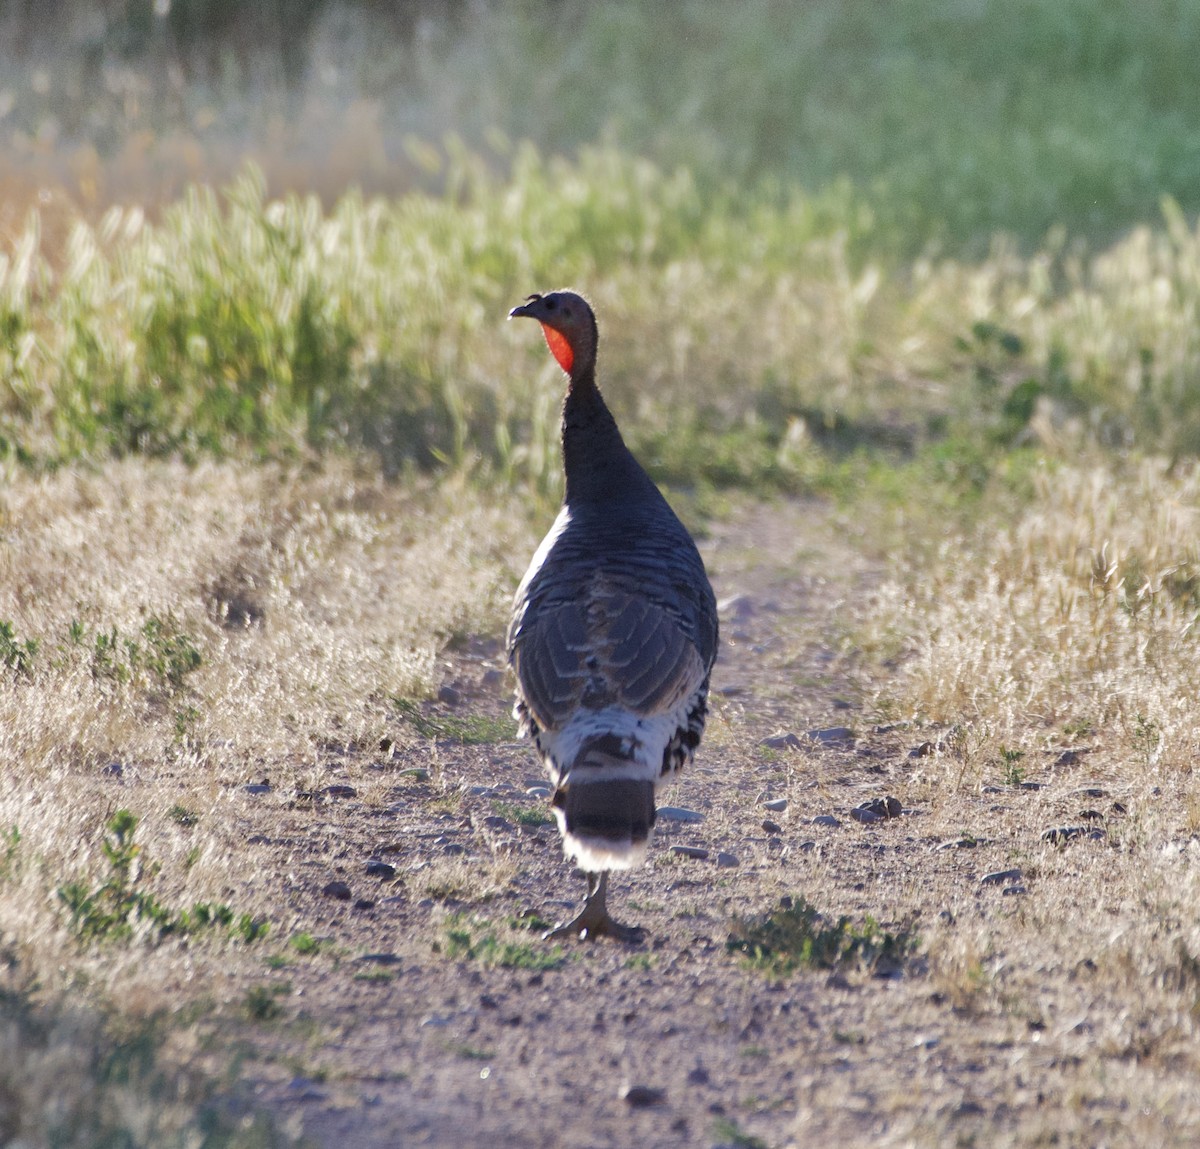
613, 633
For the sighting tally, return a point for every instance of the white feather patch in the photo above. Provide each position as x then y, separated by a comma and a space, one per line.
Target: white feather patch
645, 739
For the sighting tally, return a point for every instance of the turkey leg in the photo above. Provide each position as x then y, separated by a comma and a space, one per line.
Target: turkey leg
593, 920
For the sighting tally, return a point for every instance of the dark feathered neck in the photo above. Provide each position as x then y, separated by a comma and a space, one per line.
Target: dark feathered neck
598, 465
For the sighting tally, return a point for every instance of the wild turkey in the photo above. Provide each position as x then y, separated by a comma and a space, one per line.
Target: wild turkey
613, 633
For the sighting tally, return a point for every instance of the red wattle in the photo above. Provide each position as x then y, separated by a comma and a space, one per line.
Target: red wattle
559, 347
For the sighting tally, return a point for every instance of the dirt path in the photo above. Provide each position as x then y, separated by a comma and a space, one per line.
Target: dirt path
408, 1026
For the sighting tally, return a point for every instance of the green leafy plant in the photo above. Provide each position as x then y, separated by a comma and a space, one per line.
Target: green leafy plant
491, 950
1010, 760
532, 816
113, 909
727, 1133
262, 1001
304, 943
16, 654
161, 653
797, 936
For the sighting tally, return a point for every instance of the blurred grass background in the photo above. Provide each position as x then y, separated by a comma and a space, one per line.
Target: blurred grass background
819, 234
951, 119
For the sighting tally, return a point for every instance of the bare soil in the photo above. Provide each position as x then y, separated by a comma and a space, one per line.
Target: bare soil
1023, 1014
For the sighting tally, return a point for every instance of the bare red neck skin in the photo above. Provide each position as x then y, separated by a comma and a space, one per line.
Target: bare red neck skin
559, 347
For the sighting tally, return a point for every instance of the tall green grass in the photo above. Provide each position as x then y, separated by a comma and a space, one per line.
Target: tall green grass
953, 118
747, 341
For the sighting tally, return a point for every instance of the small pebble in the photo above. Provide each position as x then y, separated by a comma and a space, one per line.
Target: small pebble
1069, 758
380, 959
539, 791
833, 736
697, 852
384, 871
1060, 834
496, 822
738, 606
1012, 891
998, 877
481, 791
771, 827
826, 820
774, 843
113, 770
726, 860
924, 750
776, 805
880, 808
339, 791
784, 740
806, 846
453, 849
305, 1089
679, 814
641, 1096
338, 890
958, 844
493, 679
257, 788
449, 696
1088, 792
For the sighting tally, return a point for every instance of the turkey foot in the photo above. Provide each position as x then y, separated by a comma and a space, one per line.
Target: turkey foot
593, 920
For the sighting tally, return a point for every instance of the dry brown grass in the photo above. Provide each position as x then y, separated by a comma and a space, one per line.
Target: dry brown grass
312, 598
1066, 1014
1075, 621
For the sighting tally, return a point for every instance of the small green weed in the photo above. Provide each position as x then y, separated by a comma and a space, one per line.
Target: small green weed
470, 729
797, 936
10, 841
304, 944
532, 816
470, 1052
491, 950
262, 1001
182, 816
532, 921
15, 654
109, 911
161, 653
1146, 736
375, 975
1010, 760
727, 1133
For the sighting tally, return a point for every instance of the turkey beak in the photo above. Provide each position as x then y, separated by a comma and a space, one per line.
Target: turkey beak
526, 309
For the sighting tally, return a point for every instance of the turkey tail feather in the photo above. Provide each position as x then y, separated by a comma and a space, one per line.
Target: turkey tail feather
606, 823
